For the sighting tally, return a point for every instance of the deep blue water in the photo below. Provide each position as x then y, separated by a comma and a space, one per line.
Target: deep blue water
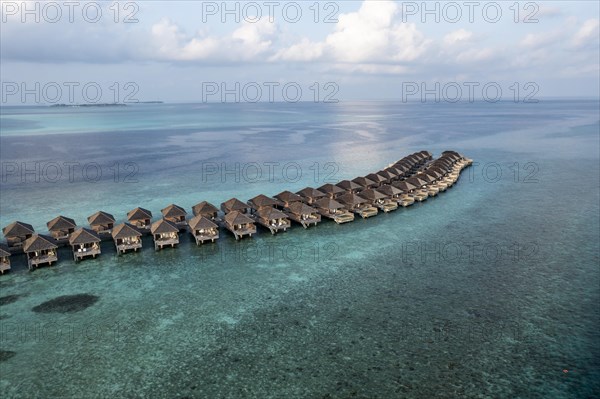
488, 290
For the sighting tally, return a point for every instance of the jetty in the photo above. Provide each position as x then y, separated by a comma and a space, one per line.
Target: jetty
415, 177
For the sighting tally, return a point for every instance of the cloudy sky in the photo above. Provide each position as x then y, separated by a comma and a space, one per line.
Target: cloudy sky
178, 50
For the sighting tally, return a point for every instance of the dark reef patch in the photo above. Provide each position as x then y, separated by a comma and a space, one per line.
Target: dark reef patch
66, 304
5, 355
5, 300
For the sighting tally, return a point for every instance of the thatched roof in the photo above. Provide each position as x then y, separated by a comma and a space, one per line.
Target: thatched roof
163, 226
433, 173
204, 208
395, 171
270, 213
372, 195
331, 189
262, 200
415, 181
125, 230
328, 203
401, 166
352, 199
4, 252
310, 192
405, 186
300, 208
100, 217
199, 222
233, 204
16, 229
139, 214
387, 174
389, 190
173, 211
84, 236
38, 242
376, 178
425, 177
288, 196
61, 223
236, 217
364, 182
348, 185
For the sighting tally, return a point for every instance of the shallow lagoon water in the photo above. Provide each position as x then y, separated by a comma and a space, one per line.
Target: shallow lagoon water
488, 290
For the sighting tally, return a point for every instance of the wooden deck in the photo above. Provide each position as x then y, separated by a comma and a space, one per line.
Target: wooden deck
41, 260
366, 211
338, 217
4, 265
82, 253
273, 227
165, 242
240, 233
203, 237
123, 248
305, 222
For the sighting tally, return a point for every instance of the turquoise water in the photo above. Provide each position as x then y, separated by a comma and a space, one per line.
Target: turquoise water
490, 289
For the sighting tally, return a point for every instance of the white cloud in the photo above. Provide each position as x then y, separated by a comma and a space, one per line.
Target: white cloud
587, 34
458, 36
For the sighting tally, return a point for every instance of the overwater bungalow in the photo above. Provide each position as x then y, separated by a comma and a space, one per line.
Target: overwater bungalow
85, 243
331, 190
438, 178
164, 232
126, 238
395, 171
388, 174
419, 192
350, 186
261, 201
431, 189
380, 200
40, 250
205, 209
365, 182
203, 229
176, 214
101, 222
17, 233
61, 228
140, 218
273, 219
235, 204
378, 179
239, 224
358, 204
303, 214
4, 258
332, 209
409, 193
310, 195
286, 198
397, 195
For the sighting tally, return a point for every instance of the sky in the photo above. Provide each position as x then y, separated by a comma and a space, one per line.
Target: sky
193, 51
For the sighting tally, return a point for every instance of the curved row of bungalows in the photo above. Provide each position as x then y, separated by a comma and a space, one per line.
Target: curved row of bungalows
164, 233
4, 258
332, 209
203, 229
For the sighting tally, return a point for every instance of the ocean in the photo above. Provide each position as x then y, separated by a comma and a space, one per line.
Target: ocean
490, 289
